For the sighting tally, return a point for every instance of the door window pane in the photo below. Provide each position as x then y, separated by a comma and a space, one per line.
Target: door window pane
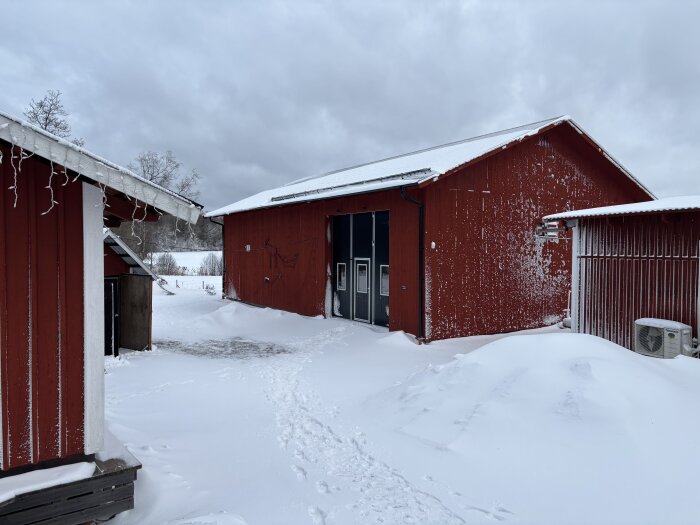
340, 277
361, 277
384, 279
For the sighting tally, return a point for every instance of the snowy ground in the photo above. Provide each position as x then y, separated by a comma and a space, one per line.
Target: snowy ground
253, 416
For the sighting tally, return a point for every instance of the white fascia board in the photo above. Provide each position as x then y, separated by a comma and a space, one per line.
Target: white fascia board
95, 168
93, 327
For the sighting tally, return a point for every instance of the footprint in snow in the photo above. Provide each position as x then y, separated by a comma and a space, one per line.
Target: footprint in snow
300, 472
317, 515
322, 487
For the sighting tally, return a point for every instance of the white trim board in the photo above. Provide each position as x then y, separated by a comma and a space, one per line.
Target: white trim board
95, 168
93, 328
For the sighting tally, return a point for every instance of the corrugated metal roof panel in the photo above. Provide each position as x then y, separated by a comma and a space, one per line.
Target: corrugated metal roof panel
132, 260
402, 170
670, 204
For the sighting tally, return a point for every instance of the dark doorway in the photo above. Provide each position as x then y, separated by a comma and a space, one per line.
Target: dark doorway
111, 316
361, 267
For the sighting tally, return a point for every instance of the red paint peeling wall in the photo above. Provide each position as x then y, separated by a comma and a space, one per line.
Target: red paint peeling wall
41, 315
634, 267
487, 273
290, 246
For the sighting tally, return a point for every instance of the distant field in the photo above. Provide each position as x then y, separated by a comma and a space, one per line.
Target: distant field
188, 260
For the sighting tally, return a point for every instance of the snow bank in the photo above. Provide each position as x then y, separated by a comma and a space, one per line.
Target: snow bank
352, 424
565, 428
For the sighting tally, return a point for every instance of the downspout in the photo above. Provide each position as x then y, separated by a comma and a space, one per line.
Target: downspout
421, 264
223, 258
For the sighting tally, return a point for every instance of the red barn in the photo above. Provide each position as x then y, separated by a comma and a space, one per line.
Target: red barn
55, 200
438, 243
634, 261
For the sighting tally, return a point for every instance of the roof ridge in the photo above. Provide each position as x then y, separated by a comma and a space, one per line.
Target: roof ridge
531, 125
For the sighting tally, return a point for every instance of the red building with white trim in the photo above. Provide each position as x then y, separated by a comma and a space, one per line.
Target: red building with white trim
452, 226
634, 261
55, 200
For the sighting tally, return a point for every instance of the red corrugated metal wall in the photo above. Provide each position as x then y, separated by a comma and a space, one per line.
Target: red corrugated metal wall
633, 267
41, 314
487, 273
290, 245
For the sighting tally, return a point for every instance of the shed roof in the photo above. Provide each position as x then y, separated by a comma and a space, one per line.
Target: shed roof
417, 168
65, 153
133, 261
670, 204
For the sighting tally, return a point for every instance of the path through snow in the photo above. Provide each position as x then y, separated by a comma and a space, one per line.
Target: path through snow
334, 459
337, 463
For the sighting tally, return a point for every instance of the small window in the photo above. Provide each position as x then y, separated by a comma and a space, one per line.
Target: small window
361, 278
384, 279
340, 277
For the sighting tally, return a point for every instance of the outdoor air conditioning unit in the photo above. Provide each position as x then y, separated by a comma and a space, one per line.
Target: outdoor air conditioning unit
662, 338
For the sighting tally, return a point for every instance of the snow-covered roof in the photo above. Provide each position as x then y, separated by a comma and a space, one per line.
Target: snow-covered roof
65, 153
133, 261
670, 204
410, 169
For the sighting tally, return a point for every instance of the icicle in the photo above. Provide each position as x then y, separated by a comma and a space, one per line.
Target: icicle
65, 170
77, 176
14, 169
133, 222
50, 188
103, 188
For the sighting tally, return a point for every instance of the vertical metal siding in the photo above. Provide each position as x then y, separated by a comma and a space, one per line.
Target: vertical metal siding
633, 267
41, 315
487, 273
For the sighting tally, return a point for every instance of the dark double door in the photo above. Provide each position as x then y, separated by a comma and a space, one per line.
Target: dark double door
361, 267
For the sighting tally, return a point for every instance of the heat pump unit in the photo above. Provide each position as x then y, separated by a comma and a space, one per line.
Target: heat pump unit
662, 338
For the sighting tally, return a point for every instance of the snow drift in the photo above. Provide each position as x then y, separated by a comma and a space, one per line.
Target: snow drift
566, 428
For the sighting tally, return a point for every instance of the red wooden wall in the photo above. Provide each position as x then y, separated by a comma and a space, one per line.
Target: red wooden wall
114, 265
41, 315
290, 245
633, 267
487, 273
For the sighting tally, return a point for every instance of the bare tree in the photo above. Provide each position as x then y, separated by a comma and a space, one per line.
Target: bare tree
166, 234
163, 169
212, 264
49, 114
167, 265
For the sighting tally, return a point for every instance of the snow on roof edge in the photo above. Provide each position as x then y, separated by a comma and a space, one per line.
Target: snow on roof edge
110, 234
669, 204
65, 153
324, 192
368, 187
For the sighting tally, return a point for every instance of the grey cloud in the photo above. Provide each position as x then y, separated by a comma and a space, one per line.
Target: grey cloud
255, 94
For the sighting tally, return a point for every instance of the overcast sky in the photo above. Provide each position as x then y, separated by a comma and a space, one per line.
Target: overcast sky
256, 94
